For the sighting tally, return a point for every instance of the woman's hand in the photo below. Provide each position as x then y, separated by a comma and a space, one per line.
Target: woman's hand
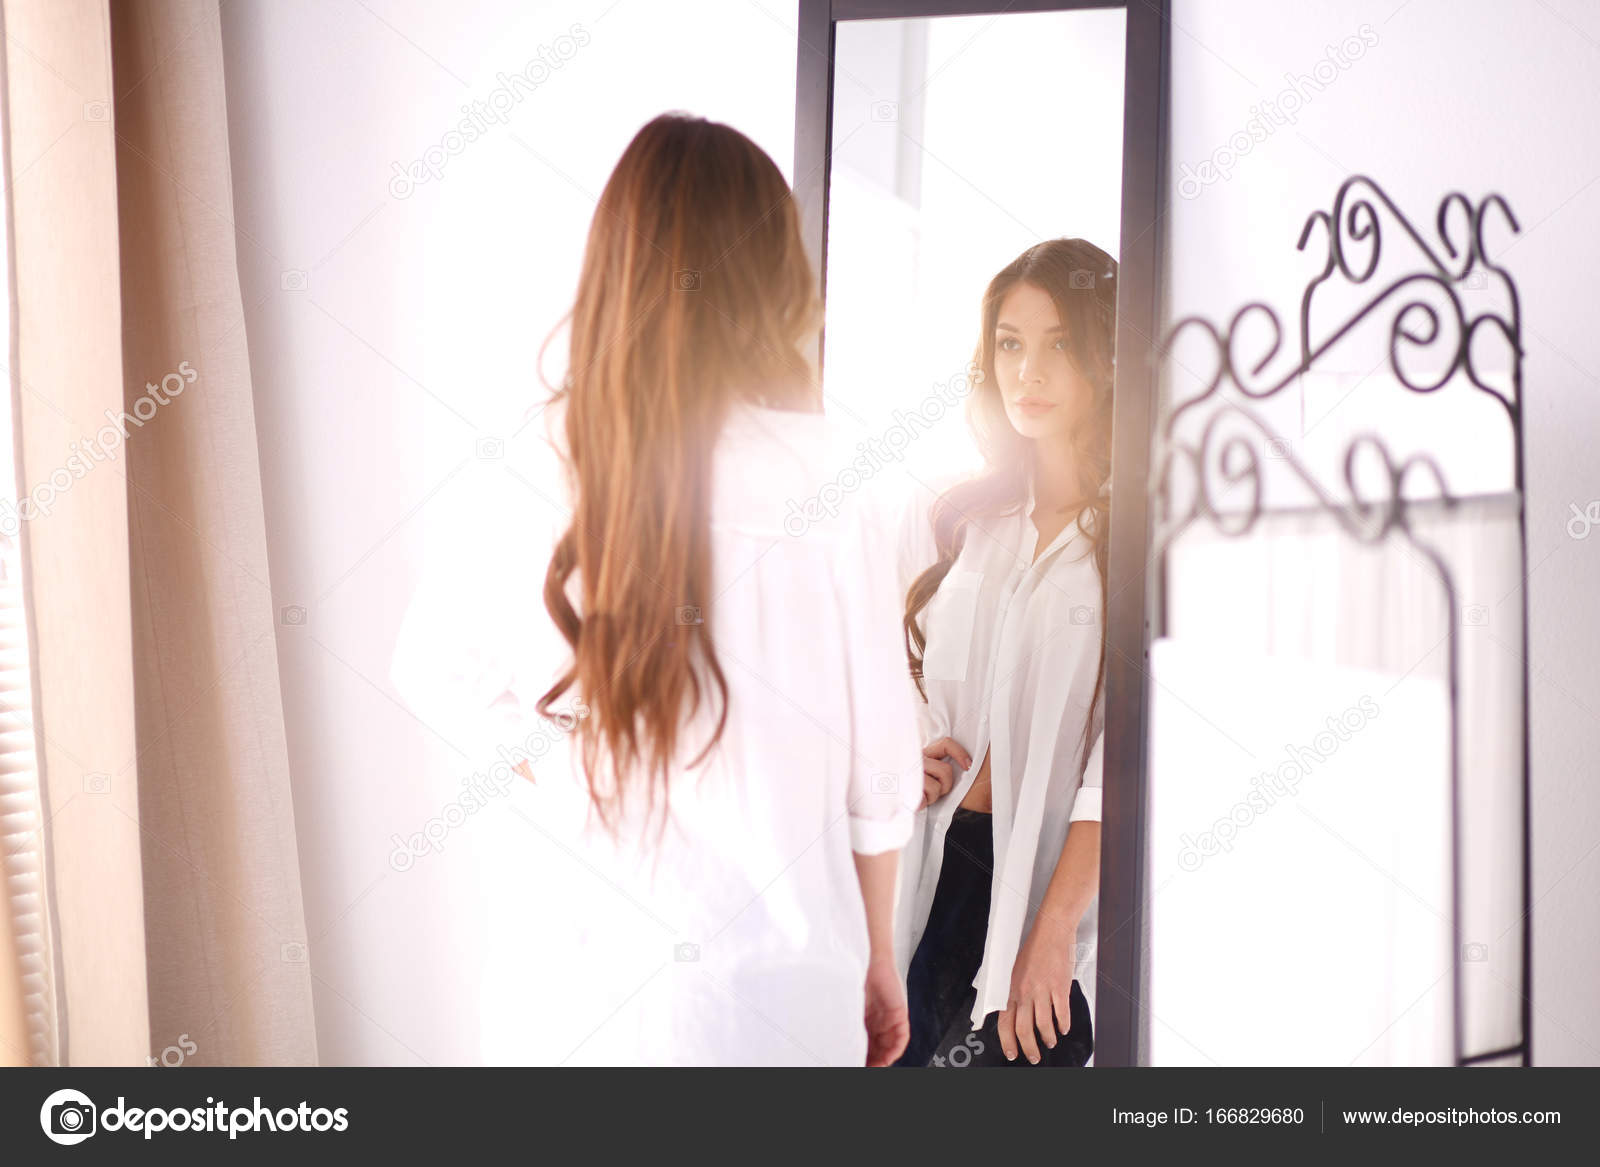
939, 762
888, 1020
1041, 988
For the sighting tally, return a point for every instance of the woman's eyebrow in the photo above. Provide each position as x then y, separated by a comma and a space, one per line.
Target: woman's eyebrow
1002, 325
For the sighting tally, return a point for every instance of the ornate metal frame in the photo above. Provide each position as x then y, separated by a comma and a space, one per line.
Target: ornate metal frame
1354, 226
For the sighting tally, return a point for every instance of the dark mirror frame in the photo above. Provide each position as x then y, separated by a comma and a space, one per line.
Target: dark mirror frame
1121, 1024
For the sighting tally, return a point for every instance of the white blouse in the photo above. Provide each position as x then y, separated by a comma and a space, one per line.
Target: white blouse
749, 910
1013, 647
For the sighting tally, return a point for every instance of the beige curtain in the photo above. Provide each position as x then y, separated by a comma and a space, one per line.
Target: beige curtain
66, 371
172, 866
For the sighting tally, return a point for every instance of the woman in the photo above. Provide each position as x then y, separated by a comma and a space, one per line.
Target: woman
1004, 631
746, 744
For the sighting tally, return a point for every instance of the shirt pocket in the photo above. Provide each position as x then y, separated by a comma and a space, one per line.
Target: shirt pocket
952, 623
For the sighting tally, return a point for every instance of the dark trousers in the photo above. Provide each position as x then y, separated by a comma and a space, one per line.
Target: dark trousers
939, 982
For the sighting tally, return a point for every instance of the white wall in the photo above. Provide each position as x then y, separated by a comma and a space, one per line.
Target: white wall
1477, 96
408, 340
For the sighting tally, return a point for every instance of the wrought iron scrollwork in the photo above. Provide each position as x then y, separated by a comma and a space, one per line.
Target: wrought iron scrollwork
1417, 322
1426, 316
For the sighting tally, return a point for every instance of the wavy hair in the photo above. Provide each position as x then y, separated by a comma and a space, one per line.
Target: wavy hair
1080, 279
695, 292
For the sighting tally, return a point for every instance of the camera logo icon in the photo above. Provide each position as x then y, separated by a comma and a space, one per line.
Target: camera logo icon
685, 953
1081, 280
67, 1117
1083, 614
291, 614
686, 280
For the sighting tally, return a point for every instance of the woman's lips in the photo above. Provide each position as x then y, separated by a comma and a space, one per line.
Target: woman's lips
1034, 406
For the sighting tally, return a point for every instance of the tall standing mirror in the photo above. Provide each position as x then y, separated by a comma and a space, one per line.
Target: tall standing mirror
978, 187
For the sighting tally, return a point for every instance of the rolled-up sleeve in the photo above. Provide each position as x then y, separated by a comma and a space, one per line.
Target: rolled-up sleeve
872, 833
885, 778
1087, 803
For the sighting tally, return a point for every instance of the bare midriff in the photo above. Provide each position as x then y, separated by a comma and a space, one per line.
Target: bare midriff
979, 795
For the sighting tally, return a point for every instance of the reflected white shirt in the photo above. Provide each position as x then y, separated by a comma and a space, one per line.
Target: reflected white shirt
749, 910
1013, 648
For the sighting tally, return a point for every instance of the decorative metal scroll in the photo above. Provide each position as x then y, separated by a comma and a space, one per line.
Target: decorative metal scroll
1218, 461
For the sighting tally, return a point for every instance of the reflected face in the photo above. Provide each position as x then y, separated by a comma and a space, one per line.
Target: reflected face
1044, 394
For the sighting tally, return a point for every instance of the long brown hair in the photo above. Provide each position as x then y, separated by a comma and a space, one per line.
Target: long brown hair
1081, 280
695, 292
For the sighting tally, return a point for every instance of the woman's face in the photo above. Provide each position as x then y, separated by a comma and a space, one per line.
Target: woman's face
1044, 394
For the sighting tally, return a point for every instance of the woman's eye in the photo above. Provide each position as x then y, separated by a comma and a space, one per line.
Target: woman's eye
1009, 344
1062, 344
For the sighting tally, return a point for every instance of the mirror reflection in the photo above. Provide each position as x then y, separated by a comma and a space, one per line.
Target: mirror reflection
971, 292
